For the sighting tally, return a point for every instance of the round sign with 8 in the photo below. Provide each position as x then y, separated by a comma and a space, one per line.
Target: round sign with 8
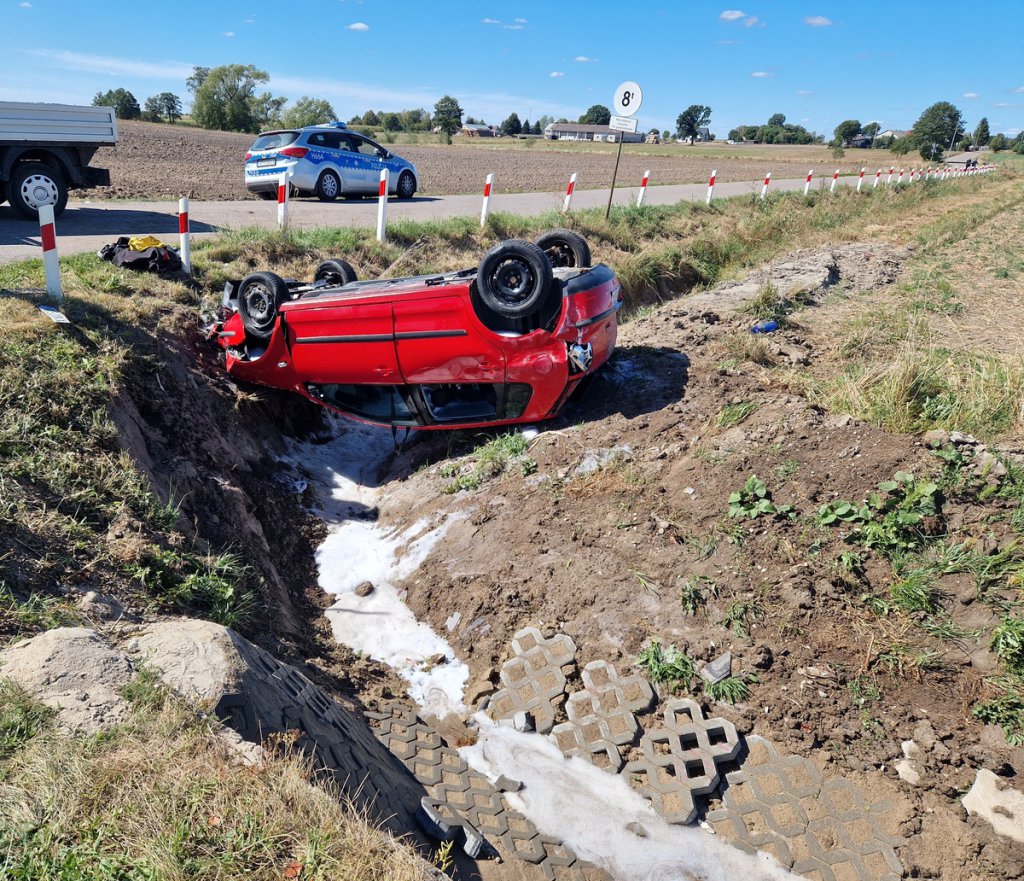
628, 98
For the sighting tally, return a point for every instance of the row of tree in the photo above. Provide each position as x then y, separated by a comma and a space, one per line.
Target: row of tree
775, 131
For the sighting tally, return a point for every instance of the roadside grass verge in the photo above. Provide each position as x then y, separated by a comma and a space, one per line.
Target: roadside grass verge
159, 799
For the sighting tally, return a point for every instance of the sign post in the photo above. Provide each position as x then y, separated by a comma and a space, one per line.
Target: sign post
628, 98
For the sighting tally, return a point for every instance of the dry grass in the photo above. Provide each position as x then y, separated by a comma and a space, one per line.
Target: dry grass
159, 799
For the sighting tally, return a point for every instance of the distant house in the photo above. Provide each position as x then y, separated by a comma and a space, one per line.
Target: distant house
475, 130
575, 131
861, 141
892, 133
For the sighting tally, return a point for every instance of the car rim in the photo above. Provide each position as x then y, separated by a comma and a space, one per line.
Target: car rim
38, 190
560, 255
406, 184
330, 185
513, 280
259, 303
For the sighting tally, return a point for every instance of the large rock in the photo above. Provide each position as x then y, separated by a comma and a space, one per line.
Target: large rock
75, 671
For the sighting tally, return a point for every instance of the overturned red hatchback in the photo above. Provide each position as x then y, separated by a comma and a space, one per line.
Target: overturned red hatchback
507, 342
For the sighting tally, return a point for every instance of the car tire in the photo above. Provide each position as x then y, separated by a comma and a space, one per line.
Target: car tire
29, 182
337, 272
260, 295
406, 188
267, 195
328, 186
564, 248
513, 278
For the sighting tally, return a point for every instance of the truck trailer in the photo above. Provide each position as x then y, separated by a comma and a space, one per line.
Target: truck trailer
45, 150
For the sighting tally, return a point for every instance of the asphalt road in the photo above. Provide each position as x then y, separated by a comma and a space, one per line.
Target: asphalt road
87, 226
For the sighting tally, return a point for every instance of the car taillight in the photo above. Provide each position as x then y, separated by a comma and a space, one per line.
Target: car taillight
294, 152
248, 156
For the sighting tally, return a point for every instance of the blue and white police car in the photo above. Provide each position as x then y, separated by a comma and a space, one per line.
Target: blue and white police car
326, 161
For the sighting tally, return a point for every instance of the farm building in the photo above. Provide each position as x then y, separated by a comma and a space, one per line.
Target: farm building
574, 131
475, 130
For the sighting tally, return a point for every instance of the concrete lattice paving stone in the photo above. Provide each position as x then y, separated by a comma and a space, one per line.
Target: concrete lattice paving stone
826, 830
534, 678
467, 802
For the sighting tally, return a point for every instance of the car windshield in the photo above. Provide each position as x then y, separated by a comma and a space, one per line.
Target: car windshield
273, 140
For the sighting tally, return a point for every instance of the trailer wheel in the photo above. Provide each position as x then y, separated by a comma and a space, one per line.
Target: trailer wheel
33, 184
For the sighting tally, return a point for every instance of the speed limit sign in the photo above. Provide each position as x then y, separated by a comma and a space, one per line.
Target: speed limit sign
628, 98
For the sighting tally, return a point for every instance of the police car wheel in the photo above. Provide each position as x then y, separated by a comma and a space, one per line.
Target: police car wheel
328, 187
406, 186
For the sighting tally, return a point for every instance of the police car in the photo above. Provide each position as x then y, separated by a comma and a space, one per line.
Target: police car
326, 161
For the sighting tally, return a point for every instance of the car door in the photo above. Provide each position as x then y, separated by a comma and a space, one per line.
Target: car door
437, 343
342, 341
346, 160
371, 160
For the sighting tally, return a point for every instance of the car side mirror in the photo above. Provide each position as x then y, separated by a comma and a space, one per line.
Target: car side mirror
384, 154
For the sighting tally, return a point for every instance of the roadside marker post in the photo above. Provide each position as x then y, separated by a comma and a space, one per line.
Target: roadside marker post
184, 236
567, 201
835, 180
282, 201
888, 180
485, 206
860, 180
912, 172
877, 178
807, 183
643, 189
767, 180
48, 237
899, 180
382, 205
711, 186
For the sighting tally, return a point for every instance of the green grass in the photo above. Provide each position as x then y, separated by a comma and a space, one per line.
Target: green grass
734, 414
486, 462
667, 665
742, 615
732, 689
21, 719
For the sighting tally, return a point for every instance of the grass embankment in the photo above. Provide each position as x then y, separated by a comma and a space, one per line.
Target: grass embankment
159, 799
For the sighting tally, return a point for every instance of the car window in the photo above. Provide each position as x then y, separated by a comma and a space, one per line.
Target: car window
367, 148
335, 141
317, 139
377, 403
461, 402
274, 140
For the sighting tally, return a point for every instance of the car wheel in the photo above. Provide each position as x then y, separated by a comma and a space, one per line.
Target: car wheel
328, 187
260, 295
337, 272
564, 248
33, 184
267, 195
513, 278
406, 185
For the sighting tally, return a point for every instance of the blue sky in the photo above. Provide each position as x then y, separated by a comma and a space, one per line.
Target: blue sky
816, 61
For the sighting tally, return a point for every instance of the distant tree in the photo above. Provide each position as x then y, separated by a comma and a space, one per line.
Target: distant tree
837, 150
527, 127
170, 106
981, 133
692, 120
448, 115
902, 146
537, 130
226, 100
665, 135
884, 143
545, 121
124, 103
356, 120
470, 121
391, 122
998, 142
511, 125
151, 110
371, 118
777, 119
936, 128
847, 129
199, 75
597, 114
871, 129
308, 111
415, 120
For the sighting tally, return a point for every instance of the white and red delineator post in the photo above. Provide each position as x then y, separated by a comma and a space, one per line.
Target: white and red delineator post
643, 188
888, 180
184, 236
767, 180
860, 179
382, 205
835, 180
711, 186
899, 180
282, 201
912, 172
48, 237
878, 177
567, 201
807, 183
486, 204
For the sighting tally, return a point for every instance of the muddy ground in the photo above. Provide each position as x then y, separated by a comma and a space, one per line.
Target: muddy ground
621, 505
155, 161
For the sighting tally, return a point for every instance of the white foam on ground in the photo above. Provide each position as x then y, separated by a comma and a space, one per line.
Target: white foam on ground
379, 625
589, 809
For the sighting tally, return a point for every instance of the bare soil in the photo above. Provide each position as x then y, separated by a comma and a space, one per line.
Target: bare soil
156, 161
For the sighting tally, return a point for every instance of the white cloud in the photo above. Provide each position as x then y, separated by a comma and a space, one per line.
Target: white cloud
555, 73
762, 75
1019, 89
490, 21
818, 21
121, 66
248, 21
805, 92
753, 20
512, 27
357, 26
1006, 104
520, 21
25, 5
229, 33
971, 95
582, 59
731, 15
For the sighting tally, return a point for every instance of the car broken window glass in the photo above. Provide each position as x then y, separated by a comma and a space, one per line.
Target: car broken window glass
379, 403
461, 402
